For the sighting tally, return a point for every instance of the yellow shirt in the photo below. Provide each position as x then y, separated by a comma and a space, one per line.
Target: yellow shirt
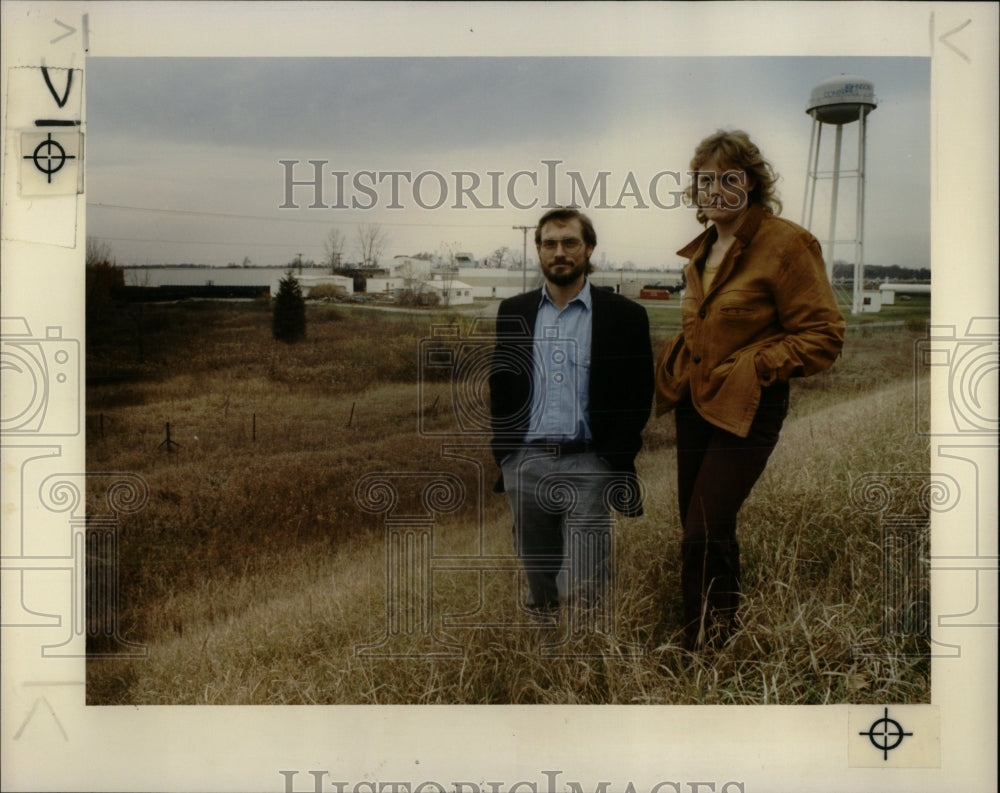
707, 276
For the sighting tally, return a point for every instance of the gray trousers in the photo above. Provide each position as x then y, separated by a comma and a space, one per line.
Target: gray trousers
562, 524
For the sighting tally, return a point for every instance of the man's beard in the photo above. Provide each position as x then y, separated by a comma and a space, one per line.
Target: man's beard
567, 277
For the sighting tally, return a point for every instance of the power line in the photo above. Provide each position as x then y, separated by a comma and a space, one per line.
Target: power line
205, 242
325, 221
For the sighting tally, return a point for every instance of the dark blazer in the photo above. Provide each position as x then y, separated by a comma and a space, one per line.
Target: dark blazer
621, 379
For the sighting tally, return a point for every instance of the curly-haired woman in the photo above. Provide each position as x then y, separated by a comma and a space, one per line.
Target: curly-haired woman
758, 310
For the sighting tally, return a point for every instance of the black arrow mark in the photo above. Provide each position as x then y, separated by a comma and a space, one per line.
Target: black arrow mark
69, 84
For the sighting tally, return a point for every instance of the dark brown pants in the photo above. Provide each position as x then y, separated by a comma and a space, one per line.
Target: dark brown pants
716, 471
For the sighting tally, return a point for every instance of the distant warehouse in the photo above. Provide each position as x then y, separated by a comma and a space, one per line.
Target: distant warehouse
888, 291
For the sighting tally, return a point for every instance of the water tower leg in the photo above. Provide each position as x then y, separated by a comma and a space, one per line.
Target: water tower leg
836, 187
809, 193
859, 261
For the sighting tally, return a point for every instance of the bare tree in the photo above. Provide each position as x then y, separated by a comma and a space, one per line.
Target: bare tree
102, 284
372, 239
447, 252
334, 246
98, 252
501, 257
414, 276
447, 281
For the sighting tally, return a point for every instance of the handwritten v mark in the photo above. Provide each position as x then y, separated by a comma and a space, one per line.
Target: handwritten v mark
69, 84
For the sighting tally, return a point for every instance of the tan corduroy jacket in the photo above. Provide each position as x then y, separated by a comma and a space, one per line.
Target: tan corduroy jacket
769, 315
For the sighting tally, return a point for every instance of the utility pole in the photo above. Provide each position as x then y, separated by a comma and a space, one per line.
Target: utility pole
524, 257
298, 261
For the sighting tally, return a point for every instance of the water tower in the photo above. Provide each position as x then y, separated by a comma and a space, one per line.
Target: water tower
840, 101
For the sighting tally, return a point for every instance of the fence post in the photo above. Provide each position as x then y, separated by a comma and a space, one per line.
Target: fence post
171, 445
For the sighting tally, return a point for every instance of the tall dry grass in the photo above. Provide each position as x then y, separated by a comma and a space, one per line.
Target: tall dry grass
253, 576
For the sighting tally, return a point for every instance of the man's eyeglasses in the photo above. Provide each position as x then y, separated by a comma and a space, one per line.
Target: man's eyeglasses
570, 246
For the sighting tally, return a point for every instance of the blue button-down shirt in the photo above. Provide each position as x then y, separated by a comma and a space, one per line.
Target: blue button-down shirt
561, 376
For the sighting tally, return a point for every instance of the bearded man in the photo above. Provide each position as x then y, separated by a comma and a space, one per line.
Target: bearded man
571, 388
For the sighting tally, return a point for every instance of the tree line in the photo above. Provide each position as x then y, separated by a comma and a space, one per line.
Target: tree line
894, 272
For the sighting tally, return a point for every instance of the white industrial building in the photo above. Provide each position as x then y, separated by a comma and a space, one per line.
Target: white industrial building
870, 302
389, 287
450, 291
493, 283
408, 267
889, 291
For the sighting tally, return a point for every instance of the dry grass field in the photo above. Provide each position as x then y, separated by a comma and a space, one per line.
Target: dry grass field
253, 576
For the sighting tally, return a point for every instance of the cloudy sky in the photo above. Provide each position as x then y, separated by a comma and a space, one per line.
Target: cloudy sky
184, 153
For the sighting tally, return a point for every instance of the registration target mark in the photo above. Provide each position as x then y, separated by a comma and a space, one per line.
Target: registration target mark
49, 156
885, 734
51, 163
